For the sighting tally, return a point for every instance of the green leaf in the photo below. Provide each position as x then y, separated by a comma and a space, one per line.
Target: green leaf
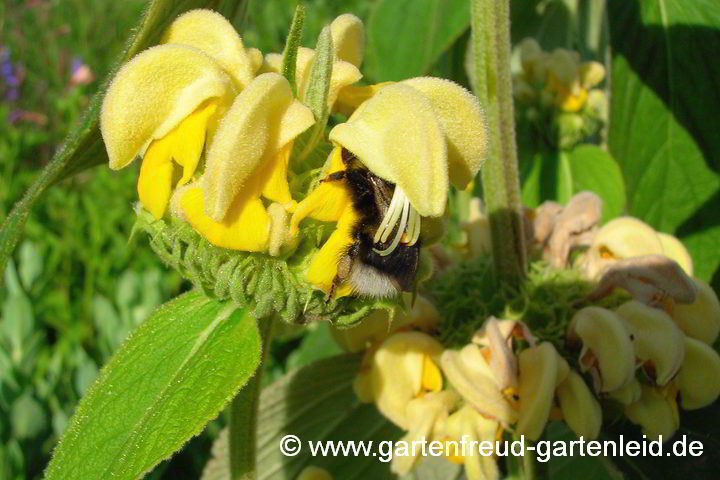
27, 417
663, 127
406, 37
317, 344
172, 375
315, 403
560, 175
83, 147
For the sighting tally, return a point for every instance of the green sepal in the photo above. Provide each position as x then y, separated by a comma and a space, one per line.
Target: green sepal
271, 285
292, 44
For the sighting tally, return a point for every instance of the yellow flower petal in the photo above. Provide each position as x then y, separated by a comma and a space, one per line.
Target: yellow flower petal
538, 368
658, 343
579, 406
397, 372
277, 188
699, 377
591, 73
311, 472
348, 37
256, 59
628, 393
606, 347
396, 135
153, 93
327, 201
211, 33
463, 123
324, 265
700, 319
675, 250
655, 413
351, 97
249, 134
155, 180
186, 141
246, 226
468, 425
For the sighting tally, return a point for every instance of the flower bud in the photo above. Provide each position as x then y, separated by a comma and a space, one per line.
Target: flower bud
538, 370
607, 351
348, 38
698, 380
700, 319
658, 343
580, 409
656, 412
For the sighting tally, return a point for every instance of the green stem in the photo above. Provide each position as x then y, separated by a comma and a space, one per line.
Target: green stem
490, 21
242, 416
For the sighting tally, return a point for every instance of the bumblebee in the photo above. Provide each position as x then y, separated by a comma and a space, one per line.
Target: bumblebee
383, 258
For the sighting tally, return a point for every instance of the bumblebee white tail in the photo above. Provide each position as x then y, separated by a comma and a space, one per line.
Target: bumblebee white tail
400, 210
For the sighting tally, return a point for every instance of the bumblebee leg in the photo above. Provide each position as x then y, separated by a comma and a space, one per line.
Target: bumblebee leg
334, 177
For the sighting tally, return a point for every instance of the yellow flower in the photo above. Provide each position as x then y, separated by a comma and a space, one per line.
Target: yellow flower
425, 416
607, 350
348, 37
405, 137
698, 380
467, 425
569, 80
656, 412
700, 319
404, 368
580, 409
248, 158
311, 472
540, 371
628, 393
211, 33
160, 106
658, 343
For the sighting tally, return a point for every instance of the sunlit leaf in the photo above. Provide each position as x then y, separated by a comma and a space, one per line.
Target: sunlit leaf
173, 374
406, 37
663, 131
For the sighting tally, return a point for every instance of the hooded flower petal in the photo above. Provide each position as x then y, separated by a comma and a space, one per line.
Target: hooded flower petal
674, 249
468, 371
658, 343
700, 319
621, 238
463, 123
211, 33
628, 393
606, 347
698, 380
656, 412
538, 370
580, 409
403, 368
262, 120
153, 93
397, 136
348, 36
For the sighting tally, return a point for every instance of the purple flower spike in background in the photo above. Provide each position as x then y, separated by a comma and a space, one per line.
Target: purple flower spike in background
10, 79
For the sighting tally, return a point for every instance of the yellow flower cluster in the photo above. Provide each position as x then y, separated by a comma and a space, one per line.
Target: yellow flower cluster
214, 124
558, 79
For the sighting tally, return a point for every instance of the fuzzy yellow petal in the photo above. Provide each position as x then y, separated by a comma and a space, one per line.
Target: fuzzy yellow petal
675, 250
469, 425
656, 339
211, 33
311, 472
248, 135
397, 136
324, 265
698, 380
463, 123
579, 406
153, 93
256, 59
155, 180
538, 368
655, 413
246, 226
348, 38
327, 201
277, 188
186, 141
351, 97
700, 319
607, 350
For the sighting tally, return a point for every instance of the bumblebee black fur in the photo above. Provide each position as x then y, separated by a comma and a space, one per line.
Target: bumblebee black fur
368, 272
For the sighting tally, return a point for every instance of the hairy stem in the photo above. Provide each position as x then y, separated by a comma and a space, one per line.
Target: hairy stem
490, 21
242, 416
